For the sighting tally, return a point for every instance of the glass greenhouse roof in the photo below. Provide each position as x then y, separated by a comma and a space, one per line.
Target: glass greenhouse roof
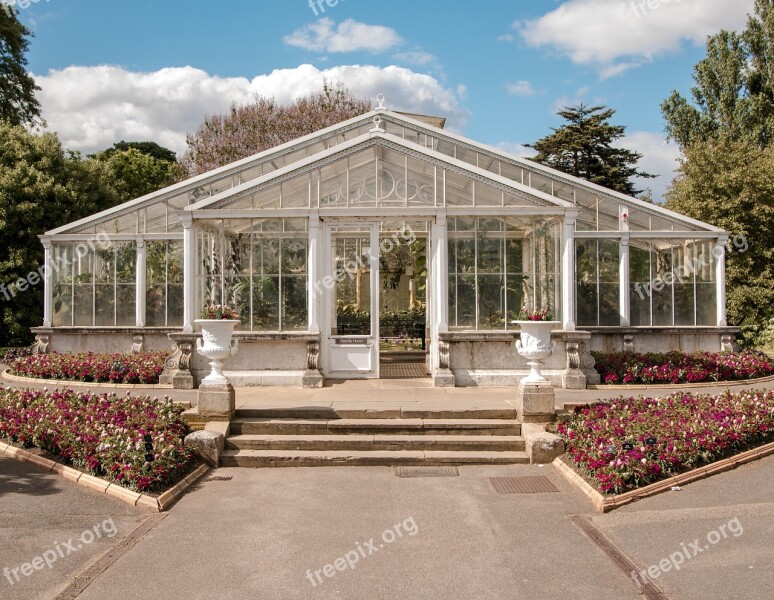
381, 176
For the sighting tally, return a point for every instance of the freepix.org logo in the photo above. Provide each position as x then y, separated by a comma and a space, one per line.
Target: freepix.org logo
10, 6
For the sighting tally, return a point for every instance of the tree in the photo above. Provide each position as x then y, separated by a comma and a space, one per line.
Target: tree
264, 124
729, 184
41, 187
725, 179
134, 173
584, 148
734, 93
151, 149
17, 88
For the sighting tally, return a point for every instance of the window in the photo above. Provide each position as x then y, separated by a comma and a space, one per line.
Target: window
94, 285
258, 267
164, 280
597, 282
498, 265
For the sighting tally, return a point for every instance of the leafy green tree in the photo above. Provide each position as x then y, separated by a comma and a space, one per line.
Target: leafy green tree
730, 184
151, 149
583, 147
264, 124
17, 88
726, 175
734, 93
134, 173
41, 187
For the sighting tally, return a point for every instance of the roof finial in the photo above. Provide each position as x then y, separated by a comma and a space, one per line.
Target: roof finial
380, 99
377, 123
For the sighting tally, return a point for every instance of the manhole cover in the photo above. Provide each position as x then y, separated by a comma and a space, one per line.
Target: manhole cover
427, 471
220, 478
522, 485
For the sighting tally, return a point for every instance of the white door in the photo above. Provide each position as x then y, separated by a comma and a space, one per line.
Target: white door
351, 300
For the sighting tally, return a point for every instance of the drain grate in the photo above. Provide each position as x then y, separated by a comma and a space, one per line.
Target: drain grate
522, 485
219, 478
427, 472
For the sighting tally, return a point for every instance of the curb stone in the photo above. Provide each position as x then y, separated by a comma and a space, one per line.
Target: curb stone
6, 374
605, 504
102, 486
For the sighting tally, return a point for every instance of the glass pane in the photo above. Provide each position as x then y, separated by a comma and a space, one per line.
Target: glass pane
587, 294
352, 293
265, 299
294, 305
125, 305
706, 304
63, 305
155, 306
462, 314
126, 262
104, 304
491, 308
83, 305
175, 305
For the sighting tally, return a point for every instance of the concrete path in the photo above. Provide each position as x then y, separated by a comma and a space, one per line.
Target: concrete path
270, 533
391, 393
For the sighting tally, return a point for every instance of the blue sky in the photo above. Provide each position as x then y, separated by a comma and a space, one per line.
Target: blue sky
498, 70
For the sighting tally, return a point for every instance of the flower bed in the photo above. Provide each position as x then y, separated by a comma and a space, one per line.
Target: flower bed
676, 367
630, 442
145, 367
104, 435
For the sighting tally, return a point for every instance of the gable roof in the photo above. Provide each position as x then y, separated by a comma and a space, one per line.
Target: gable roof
406, 132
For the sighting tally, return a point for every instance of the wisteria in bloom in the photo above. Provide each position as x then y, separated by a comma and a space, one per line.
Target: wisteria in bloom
101, 434
145, 367
630, 442
677, 367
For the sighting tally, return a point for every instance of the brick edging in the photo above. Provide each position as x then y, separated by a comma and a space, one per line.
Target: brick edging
160, 504
607, 503
71, 383
682, 386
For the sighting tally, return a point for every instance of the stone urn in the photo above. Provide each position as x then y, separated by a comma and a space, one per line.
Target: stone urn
535, 345
217, 344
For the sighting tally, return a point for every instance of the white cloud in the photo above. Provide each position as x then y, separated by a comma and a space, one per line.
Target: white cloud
614, 36
521, 88
349, 36
659, 158
416, 57
93, 107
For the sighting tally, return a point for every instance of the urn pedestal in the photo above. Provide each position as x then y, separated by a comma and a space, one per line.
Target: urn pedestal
216, 398
536, 402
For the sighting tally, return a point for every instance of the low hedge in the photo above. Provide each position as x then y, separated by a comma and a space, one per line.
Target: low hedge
136, 442
145, 367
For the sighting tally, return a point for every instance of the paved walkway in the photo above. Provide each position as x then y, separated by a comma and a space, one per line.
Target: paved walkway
393, 393
266, 532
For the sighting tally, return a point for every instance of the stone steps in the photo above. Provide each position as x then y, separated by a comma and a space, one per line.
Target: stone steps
328, 458
292, 426
377, 442
363, 435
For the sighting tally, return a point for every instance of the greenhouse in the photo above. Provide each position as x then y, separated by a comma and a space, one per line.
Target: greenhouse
381, 246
